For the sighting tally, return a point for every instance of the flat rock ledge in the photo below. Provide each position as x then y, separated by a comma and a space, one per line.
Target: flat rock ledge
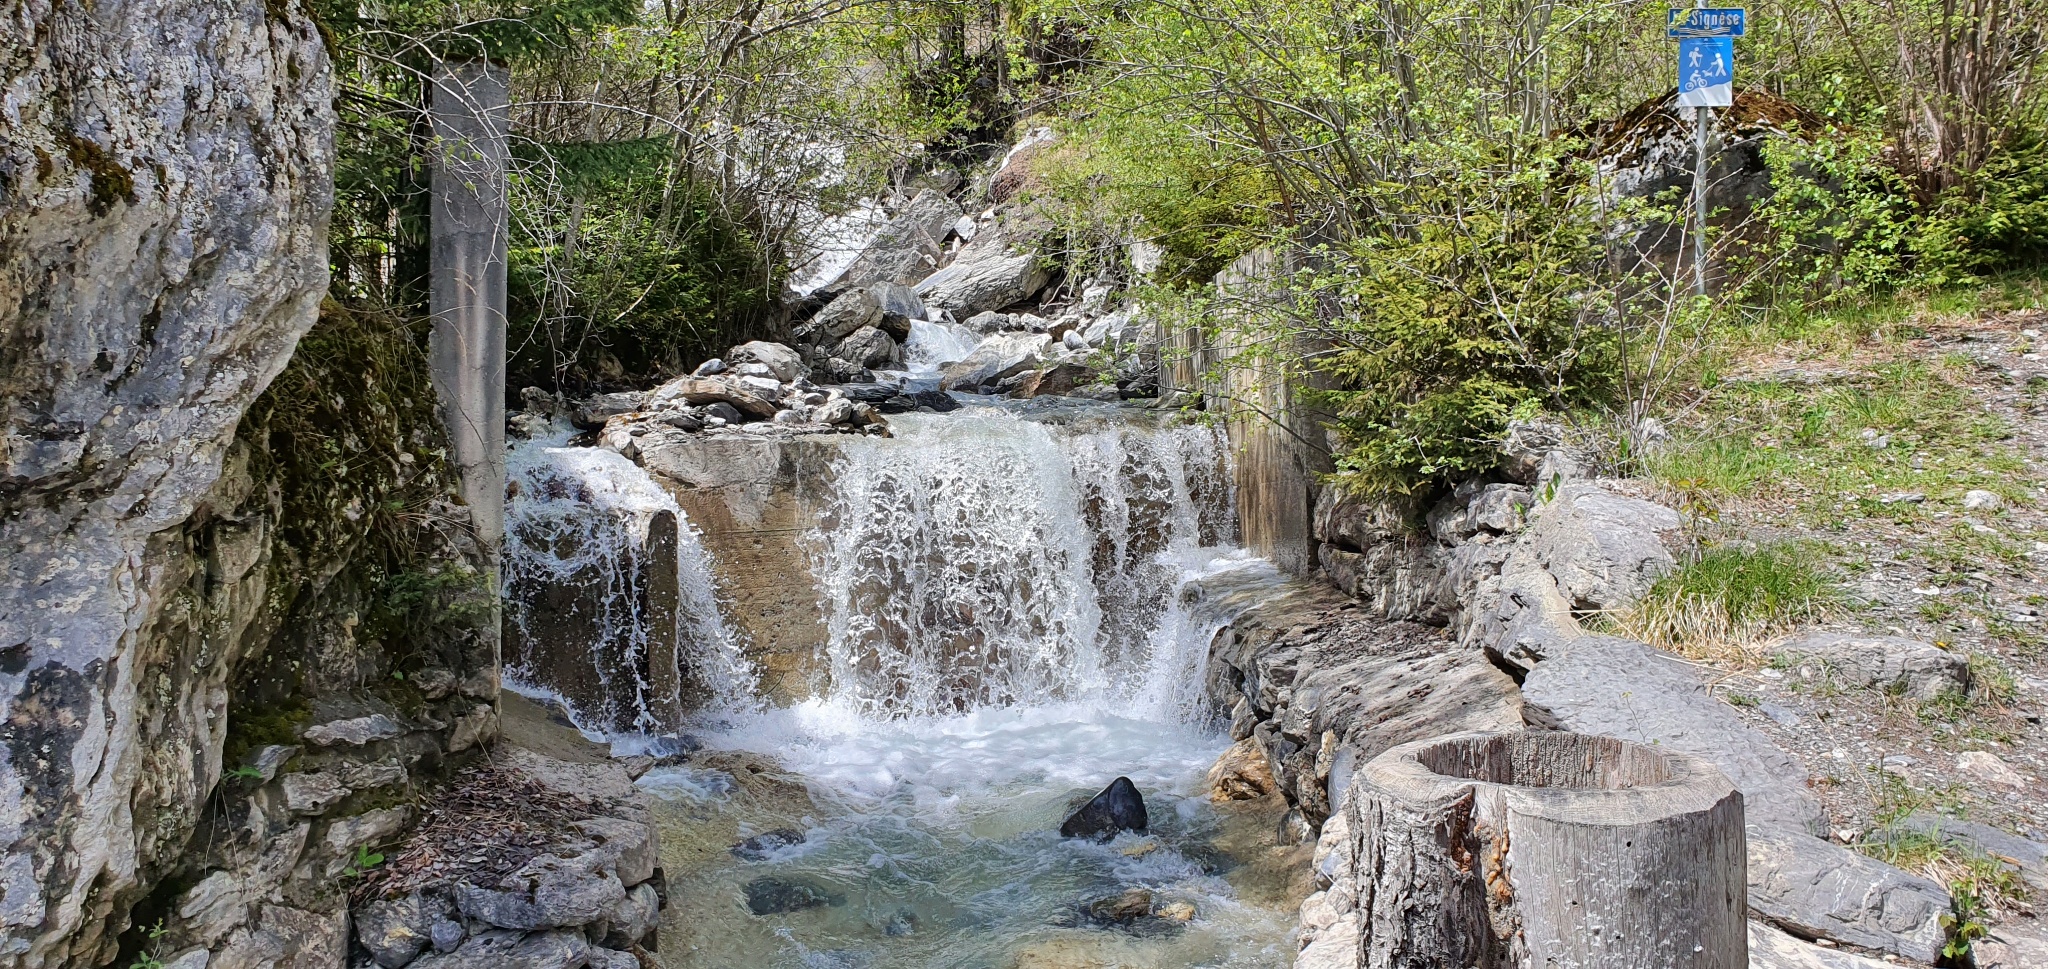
1461, 618
532, 863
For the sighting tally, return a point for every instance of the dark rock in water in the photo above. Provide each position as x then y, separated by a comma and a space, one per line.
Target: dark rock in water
1129, 906
773, 896
671, 746
1294, 829
936, 401
1118, 808
760, 846
1130, 911
903, 923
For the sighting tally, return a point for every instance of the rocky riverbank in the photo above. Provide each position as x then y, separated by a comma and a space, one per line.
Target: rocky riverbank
1486, 591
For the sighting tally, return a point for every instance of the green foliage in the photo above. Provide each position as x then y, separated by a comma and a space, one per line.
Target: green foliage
502, 30
1845, 222
364, 860
148, 957
649, 275
252, 727
1964, 924
1479, 302
1731, 596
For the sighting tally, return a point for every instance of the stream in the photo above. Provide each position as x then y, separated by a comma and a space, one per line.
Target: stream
1013, 612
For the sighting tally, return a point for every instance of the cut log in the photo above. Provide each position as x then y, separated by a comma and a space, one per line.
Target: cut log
1553, 850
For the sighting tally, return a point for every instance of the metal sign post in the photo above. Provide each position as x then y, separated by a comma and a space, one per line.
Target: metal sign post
1706, 80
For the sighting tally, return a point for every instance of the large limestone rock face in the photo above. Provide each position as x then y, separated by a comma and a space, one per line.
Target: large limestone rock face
752, 498
165, 180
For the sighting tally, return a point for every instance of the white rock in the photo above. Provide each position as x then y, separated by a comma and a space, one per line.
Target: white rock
1980, 500
1990, 767
782, 361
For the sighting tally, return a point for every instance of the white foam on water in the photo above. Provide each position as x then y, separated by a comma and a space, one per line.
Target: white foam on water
982, 559
933, 345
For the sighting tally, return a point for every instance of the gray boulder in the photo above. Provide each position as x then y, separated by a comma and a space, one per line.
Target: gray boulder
591, 414
634, 917
354, 732
784, 363
503, 949
1475, 508
607, 958
986, 275
395, 931
849, 311
870, 348
1770, 948
1821, 890
559, 894
1894, 664
1604, 549
169, 177
997, 357
838, 410
710, 391
900, 306
2014, 944
907, 248
1621, 688
1527, 446
629, 849
990, 322
312, 792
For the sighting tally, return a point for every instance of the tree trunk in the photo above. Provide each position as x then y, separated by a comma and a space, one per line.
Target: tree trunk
1551, 850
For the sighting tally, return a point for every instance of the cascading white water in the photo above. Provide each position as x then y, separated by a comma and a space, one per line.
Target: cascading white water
610, 600
1013, 616
933, 345
981, 559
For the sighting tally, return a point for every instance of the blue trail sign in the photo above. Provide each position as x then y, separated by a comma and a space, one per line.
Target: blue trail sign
1707, 22
1706, 80
1706, 72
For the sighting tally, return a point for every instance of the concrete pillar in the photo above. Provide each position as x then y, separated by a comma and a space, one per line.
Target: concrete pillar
470, 113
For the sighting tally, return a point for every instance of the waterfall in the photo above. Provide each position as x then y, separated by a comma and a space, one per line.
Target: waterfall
610, 599
998, 556
985, 559
933, 345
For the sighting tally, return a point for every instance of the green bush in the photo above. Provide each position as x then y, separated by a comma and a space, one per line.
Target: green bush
647, 277
1486, 299
1845, 222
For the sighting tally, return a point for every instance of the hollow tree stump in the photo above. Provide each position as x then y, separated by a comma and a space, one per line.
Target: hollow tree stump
1550, 850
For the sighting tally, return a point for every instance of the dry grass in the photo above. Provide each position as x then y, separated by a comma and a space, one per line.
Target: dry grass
1729, 600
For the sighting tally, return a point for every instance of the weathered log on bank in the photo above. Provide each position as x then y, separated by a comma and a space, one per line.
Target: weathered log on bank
1553, 850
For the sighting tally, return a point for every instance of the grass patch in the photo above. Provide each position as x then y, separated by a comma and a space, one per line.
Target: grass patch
1730, 598
1895, 441
1959, 867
